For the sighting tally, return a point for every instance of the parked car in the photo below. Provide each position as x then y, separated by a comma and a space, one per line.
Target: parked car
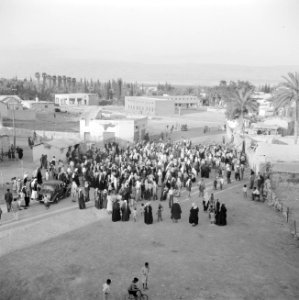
55, 190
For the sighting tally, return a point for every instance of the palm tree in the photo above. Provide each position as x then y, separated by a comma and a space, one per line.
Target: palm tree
54, 79
37, 76
64, 83
241, 104
44, 75
59, 82
287, 93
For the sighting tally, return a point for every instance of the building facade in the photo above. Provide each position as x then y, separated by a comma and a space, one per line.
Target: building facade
149, 106
129, 130
185, 102
77, 99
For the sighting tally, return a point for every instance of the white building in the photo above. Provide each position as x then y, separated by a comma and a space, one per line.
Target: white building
77, 99
127, 129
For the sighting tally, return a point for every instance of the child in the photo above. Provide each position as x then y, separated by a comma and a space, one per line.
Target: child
47, 201
159, 213
245, 191
134, 213
106, 289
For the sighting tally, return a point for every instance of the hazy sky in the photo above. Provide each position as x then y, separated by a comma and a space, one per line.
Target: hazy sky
242, 32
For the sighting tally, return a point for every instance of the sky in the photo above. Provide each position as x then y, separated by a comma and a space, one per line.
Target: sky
237, 32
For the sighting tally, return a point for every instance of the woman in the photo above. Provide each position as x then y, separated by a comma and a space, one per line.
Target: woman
193, 218
116, 211
222, 215
125, 212
148, 214
81, 200
176, 211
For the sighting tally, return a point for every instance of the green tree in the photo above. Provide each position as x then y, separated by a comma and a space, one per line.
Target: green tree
241, 104
287, 93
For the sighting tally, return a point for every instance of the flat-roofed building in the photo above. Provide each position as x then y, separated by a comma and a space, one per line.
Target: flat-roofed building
184, 102
149, 106
130, 129
76, 99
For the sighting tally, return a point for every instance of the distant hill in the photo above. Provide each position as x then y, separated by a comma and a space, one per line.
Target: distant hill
184, 74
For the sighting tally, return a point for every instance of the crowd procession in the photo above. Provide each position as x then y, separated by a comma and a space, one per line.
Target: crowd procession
124, 180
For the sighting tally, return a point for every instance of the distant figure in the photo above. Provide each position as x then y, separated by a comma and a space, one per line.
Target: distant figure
8, 199
176, 211
193, 218
148, 214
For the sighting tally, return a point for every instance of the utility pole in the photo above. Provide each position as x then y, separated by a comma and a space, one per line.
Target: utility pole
14, 128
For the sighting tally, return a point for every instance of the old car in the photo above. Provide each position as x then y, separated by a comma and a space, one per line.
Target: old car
54, 190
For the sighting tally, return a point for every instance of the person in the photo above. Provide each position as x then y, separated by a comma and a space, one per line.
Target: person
215, 183
221, 182
116, 211
97, 198
255, 194
8, 199
109, 203
245, 191
212, 214
81, 200
222, 215
125, 212
133, 288
0, 215
176, 211
144, 275
106, 289
193, 218
15, 208
170, 197
148, 214
47, 201
134, 213
159, 213
34, 194
201, 187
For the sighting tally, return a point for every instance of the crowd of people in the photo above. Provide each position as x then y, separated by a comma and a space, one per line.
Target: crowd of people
121, 177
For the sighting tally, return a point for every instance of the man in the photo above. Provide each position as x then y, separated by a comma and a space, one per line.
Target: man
8, 199
133, 288
106, 289
255, 194
144, 275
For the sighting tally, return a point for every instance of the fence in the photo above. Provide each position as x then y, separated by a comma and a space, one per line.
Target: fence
285, 211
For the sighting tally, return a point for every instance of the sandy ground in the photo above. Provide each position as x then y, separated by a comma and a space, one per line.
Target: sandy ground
68, 255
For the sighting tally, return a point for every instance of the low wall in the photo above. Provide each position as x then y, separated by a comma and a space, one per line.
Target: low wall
49, 135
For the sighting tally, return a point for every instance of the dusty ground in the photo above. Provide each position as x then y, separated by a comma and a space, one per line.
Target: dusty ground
253, 257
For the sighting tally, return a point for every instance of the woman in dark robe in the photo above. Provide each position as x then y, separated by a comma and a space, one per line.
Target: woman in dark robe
148, 214
176, 211
81, 200
217, 212
116, 212
97, 198
193, 218
125, 212
222, 215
